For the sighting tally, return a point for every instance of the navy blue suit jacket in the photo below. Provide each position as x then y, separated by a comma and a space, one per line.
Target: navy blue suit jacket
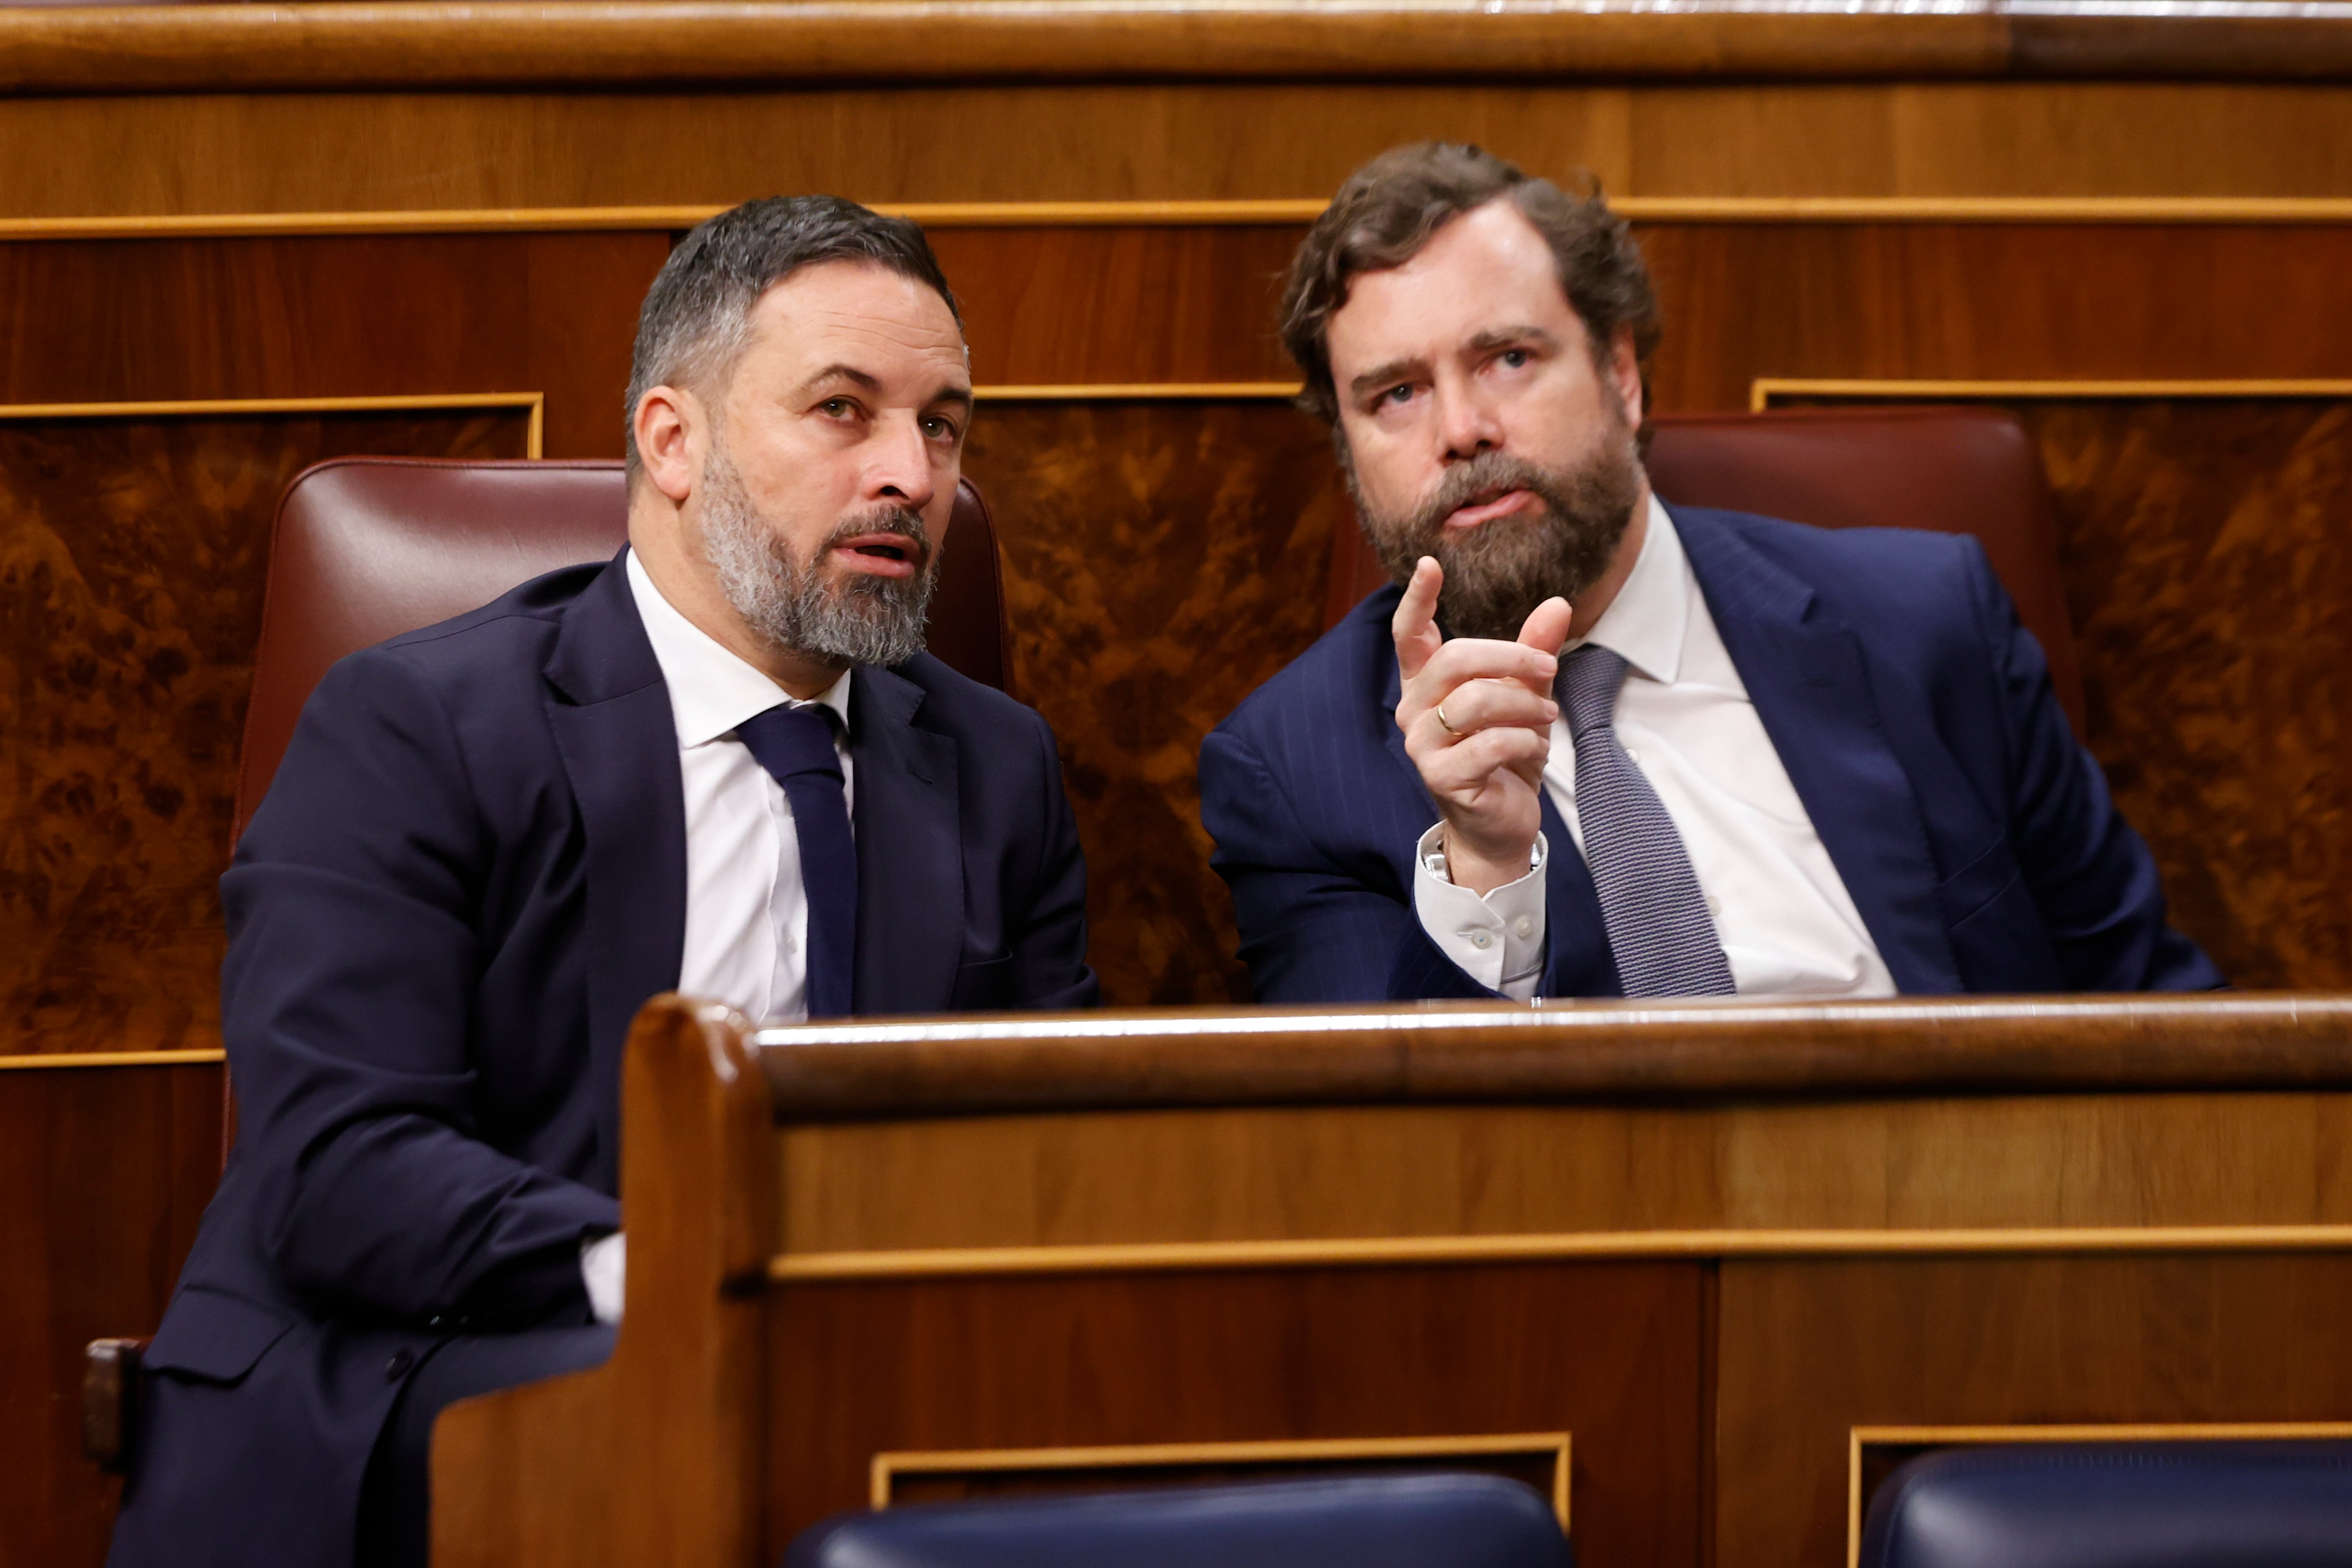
468, 874
1913, 714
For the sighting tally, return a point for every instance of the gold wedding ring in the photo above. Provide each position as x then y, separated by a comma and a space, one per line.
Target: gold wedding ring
1449, 727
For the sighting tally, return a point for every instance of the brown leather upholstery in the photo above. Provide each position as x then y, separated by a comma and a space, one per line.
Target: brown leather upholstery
1955, 471
367, 548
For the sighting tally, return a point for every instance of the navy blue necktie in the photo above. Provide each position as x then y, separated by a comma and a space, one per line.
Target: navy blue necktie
1659, 928
795, 745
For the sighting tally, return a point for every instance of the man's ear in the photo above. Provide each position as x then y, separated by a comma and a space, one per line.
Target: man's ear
668, 425
1626, 374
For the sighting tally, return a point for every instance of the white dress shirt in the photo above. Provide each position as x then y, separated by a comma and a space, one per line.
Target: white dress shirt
746, 910
1787, 924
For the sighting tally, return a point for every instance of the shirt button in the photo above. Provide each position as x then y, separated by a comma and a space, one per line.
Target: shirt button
1481, 940
397, 1367
1632, 755
1714, 905
1525, 925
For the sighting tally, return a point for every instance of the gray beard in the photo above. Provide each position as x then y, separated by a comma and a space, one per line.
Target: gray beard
1498, 573
861, 619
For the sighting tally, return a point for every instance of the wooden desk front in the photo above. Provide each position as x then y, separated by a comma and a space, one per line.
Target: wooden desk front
1717, 1268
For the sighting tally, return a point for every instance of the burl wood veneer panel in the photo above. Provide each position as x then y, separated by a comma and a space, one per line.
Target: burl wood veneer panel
2207, 572
103, 1174
132, 550
1811, 1350
1161, 559
1610, 1353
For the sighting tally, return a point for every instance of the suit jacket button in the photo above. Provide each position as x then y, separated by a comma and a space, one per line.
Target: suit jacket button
397, 1367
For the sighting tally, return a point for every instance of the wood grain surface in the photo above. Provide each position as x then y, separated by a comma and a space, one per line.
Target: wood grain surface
1610, 1353
1263, 1174
1161, 559
438, 45
131, 553
103, 1174
1810, 1351
216, 152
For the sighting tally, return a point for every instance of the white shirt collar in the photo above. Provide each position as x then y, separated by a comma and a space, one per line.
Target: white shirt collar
1644, 625
711, 691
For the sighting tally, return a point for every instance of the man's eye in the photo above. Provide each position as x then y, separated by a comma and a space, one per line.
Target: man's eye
838, 407
938, 428
1398, 393
1515, 357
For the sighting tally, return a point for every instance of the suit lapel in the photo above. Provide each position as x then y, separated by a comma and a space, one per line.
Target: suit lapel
611, 715
910, 904
1577, 959
1810, 686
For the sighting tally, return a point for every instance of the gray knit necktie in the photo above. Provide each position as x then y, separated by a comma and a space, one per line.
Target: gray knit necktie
1659, 928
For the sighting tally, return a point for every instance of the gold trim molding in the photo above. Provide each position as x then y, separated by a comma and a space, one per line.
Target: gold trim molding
1861, 1438
1142, 1258
1764, 389
532, 403
1116, 392
24, 1060
885, 1469
1235, 214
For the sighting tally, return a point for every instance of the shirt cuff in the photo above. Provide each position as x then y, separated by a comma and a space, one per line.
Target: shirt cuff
603, 1268
1498, 940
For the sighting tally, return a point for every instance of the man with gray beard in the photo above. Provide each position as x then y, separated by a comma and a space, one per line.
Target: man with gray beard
720, 763
1592, 746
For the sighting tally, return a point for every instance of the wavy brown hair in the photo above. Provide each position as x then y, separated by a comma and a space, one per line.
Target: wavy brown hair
1392, 206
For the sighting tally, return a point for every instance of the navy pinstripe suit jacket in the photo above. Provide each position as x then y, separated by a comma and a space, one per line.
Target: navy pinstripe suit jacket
1913, 712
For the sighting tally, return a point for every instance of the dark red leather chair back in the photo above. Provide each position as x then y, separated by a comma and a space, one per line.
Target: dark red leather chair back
1954, 470
367, 548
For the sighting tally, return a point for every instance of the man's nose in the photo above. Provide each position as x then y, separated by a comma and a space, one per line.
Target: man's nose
1466, 423
899, 467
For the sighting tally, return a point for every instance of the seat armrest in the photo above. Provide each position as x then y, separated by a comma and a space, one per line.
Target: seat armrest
110, 1400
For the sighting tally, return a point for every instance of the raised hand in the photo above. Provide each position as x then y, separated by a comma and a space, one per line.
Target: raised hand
1476, 715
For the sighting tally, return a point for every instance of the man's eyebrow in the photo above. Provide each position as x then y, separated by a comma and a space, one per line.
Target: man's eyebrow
1382, 375
863, 380
1510, 337
959, 396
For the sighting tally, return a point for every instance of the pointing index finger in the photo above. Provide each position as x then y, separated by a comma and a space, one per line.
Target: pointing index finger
1415, 624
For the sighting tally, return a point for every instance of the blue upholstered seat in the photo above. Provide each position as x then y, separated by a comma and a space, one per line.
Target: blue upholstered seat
2116, 1505
1405, 1521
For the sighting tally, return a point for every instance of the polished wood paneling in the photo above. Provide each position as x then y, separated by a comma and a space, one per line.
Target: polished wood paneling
104, 1172
2207, 582
1161, 559
1597, 1051
199, 153
1993, 302
1811, 1350
1264, 1173
132, 552
333, 316
1608, 1352
1135, 304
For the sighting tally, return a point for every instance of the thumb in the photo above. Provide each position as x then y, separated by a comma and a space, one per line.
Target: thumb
1415, 624
1546, 627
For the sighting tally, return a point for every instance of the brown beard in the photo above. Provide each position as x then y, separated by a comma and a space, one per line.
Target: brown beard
1496, 573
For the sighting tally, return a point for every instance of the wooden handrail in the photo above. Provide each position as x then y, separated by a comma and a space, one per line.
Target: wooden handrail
1563, 1051
429, 44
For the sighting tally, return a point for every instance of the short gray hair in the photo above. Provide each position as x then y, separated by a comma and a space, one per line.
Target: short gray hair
697, 313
